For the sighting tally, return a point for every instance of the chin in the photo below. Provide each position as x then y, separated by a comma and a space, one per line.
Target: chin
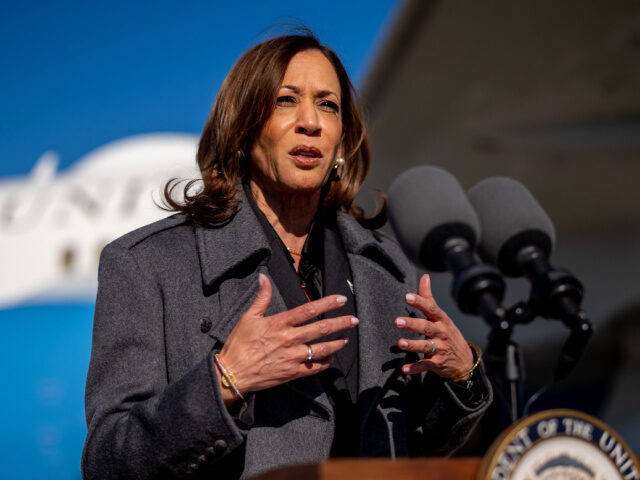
303, 184
302, 188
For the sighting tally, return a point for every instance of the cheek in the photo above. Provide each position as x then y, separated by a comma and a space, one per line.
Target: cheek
264, 157
269, 141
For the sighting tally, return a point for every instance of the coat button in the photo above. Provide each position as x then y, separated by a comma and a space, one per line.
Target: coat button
205, 325
220, 445
192, 468
202, 459
210, 451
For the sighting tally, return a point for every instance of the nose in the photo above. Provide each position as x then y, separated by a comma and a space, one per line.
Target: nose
308, 122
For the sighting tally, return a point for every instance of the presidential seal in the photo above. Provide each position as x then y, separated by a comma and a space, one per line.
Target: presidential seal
559, 444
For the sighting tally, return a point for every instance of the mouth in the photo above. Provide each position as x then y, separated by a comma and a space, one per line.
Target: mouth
305, 155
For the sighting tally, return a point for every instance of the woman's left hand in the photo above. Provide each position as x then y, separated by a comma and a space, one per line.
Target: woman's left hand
445, 351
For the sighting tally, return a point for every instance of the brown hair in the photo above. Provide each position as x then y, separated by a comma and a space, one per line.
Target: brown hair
242, 107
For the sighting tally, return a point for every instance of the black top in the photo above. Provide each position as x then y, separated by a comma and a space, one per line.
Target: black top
323, 270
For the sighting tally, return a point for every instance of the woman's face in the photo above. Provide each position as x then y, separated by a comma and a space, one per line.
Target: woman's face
301, 140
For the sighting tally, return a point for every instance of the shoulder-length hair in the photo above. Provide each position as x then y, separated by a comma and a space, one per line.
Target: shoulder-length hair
242, 107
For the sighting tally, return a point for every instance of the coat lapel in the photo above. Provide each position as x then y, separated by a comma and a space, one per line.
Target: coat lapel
380, 287
231, 256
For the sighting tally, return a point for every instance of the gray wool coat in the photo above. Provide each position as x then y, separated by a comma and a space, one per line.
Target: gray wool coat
169, 295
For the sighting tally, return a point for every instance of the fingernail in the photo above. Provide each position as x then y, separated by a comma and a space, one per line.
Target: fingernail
341, 299
400, 322
406, 369
410, 298
354, 321
403, 343
261, 279
346, 340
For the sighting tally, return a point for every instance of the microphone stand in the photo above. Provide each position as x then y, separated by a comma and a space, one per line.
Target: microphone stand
478, 289
505, 363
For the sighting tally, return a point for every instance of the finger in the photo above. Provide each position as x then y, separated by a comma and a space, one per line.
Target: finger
325, 349
424, 301
418, 367
313, 309
418, 325
306, 369
424, 287
263, 298
322, 328
418, 346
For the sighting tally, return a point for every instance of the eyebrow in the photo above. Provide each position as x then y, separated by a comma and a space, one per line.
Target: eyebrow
321, 93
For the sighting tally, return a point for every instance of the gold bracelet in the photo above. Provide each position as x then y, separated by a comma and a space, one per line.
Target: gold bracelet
228, 378
475, 365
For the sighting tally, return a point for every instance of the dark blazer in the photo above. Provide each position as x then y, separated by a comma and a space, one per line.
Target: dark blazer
169, 295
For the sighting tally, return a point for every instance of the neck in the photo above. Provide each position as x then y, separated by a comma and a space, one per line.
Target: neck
289, 214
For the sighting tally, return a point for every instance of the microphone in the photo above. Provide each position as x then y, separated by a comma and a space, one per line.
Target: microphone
518, 237
438, 229
511, 220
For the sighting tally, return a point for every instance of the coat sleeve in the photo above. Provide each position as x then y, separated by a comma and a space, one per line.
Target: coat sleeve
449, 419
139, 426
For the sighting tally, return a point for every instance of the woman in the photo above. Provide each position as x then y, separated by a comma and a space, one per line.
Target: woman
264, 325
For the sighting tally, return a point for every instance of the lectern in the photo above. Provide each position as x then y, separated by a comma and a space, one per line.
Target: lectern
380, 469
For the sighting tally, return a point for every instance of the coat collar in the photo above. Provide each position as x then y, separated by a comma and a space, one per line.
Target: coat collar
230, 245
358, 240
227, 247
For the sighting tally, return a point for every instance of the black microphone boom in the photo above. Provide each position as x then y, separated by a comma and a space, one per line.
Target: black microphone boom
438, 228
518, 237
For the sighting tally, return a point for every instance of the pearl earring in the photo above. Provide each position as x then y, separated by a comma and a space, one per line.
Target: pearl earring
339, 162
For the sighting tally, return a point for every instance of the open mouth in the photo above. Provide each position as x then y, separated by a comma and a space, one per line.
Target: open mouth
304, 152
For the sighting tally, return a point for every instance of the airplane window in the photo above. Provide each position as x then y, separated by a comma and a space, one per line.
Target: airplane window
67, 259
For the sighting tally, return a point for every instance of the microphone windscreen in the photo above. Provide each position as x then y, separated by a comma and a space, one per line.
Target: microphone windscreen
511, 219
427, 206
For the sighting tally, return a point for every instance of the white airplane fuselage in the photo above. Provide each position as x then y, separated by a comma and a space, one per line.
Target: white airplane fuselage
53, 227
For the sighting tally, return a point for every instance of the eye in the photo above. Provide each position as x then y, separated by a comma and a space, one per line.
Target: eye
285, 100
329, 106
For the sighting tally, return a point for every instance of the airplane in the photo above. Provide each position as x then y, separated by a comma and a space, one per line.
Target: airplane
53, 225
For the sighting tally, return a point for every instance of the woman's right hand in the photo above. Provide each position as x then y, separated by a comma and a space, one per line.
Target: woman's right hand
263, 352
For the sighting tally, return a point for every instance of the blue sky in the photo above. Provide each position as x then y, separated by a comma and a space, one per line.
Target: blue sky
77, 75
